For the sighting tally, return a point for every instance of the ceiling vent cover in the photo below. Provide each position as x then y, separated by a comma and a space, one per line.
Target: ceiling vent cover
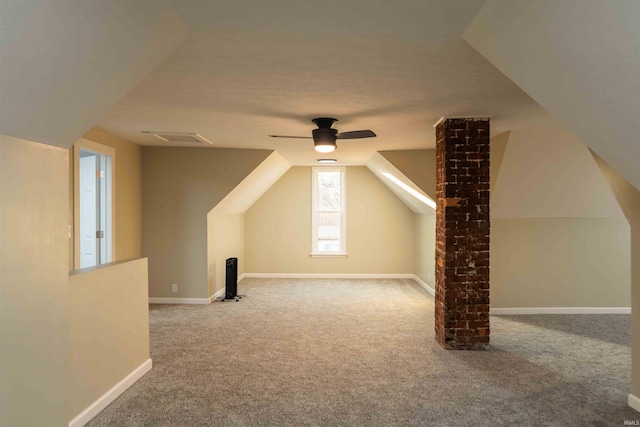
180, 137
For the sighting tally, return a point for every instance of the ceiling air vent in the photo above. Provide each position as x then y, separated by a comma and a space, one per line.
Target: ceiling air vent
180, 137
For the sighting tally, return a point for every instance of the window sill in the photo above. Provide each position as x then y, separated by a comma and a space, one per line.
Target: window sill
330, 255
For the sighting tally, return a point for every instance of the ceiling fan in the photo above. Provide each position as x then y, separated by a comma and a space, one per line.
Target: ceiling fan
324, 138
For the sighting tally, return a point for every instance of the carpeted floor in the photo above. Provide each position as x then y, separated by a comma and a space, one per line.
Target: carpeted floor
362, 352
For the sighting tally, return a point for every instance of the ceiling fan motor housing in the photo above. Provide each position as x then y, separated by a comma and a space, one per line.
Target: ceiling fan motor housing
325, 135
324, 122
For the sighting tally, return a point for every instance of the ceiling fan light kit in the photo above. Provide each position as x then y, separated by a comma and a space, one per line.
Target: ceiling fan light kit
324, 137
323, 141
325, 148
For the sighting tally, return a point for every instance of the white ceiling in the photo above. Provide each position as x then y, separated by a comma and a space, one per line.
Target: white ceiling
250, 69
579, 60
240, 70
63, 64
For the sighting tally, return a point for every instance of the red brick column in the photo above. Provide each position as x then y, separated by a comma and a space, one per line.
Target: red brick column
462, 234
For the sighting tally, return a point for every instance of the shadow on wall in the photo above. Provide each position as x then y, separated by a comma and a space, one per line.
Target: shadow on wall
225, 222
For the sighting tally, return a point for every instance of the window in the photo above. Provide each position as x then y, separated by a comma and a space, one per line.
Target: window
328, 212
93, 183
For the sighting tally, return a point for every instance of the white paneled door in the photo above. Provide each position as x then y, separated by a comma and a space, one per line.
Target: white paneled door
88, 209
95, 208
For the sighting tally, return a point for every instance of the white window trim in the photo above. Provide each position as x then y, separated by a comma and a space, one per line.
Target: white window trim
86, 145
342, 253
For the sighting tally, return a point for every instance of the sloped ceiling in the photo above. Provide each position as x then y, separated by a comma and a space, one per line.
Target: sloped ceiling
626, 195
251, 188
383, 169
250, 69
579, 60
498, 147
418, 165
242, 70
546, 172
64, 64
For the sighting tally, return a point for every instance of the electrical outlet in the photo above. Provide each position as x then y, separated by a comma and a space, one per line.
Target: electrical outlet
174, 287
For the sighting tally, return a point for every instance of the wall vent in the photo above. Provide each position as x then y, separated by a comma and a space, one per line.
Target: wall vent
180, 137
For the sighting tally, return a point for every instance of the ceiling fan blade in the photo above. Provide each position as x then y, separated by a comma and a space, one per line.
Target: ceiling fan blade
287, 136
355, 134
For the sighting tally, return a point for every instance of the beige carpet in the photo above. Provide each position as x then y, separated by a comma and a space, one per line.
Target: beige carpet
362, 352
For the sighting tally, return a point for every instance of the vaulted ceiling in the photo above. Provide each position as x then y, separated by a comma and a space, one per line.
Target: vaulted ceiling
238, 71
247, 72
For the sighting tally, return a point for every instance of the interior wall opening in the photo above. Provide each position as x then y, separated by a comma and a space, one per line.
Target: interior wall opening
93, 204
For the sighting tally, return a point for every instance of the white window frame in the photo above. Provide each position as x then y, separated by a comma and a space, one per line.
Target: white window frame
314, 213
86, 145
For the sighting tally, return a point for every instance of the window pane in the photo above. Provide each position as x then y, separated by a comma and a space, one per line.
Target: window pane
329, 191
328, 226
328, 214
328, 245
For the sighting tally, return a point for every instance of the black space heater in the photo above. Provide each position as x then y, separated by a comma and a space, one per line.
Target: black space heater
231, 286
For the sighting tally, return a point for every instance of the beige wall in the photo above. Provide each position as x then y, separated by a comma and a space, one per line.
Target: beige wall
560, 262
225, 222
226, 240
180, 187
108, 329
127, 194
629, 198
33, 284
635, 300
558, 236
379, 228
548, 197
553, 219
549, 173
420, 167
425, 248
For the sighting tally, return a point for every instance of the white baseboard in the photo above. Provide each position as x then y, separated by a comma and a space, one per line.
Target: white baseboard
634, 402
219, 293
428, 288
157, 300
115, 391
562, 310
327, 276
216, 295
242, 276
